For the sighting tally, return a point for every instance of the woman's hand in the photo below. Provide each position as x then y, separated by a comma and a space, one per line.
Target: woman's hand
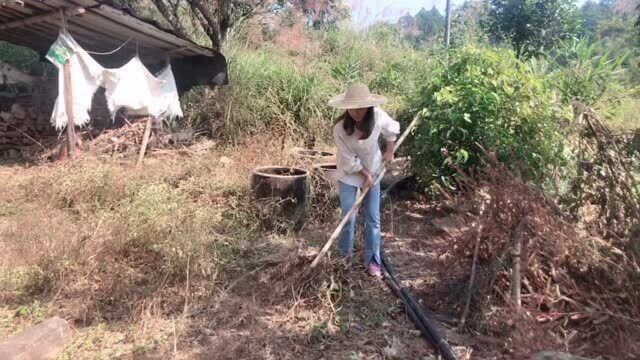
368, 179
388, 155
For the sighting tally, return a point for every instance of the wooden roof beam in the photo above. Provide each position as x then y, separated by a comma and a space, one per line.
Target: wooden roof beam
76, 10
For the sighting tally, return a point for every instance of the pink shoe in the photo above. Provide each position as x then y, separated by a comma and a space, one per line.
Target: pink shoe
374, 269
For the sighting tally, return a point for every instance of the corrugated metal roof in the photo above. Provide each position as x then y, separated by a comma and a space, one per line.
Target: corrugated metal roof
103, 27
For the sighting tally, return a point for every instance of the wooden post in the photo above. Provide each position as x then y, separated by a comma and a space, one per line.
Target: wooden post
145, 140
447, 29
476, 252
516, 281
68, 103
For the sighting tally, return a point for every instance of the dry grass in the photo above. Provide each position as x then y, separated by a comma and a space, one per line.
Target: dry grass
171, 259
98, 240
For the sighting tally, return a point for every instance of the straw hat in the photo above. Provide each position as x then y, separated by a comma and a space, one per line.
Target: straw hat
357, 96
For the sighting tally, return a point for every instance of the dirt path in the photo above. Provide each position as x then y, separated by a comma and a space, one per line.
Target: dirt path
421, 254
339, 313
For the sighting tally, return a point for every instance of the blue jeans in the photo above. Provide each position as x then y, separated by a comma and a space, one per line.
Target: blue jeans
371, 209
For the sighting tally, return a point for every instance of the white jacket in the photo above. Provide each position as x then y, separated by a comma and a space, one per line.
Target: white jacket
354, 154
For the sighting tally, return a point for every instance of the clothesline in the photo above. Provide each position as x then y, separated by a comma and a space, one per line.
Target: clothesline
114, 51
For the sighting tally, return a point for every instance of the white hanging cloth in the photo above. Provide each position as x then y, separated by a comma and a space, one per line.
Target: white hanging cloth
86, 76
131, 86
138, 90
167, 95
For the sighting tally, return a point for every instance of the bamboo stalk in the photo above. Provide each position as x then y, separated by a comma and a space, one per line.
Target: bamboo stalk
516, 281
379, 173
476, 253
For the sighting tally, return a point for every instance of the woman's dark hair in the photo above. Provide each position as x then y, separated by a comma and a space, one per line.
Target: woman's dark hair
365, 126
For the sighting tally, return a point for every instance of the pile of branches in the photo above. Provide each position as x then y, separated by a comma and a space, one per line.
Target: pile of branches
605, 181
530, 266
124, 141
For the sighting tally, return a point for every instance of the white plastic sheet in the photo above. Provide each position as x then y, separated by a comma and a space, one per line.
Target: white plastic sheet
86, 77
167, 96
131, 86
139, 91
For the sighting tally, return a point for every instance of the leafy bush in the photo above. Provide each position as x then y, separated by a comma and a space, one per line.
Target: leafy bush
485, 97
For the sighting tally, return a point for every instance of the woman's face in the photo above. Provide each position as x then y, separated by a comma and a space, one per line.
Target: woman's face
358, 114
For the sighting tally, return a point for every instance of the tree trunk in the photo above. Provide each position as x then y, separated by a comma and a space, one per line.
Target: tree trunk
208, 22
171, 17
224, 15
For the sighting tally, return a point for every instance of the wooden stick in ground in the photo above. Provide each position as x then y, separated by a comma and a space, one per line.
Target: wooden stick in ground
476, 253
145, 140
68, 103
360, 198
516, 284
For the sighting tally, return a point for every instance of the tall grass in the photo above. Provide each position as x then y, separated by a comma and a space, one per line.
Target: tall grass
267, 92
286, 95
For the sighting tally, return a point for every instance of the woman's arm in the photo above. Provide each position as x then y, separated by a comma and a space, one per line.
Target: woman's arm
390, 130
368, 178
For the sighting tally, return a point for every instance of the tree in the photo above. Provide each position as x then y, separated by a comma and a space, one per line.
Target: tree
638, 21
322, 13
429, 22
592, 14
466, 23
213, 17
532, 26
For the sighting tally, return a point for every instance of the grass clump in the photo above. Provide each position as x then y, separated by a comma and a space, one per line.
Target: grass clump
268, 92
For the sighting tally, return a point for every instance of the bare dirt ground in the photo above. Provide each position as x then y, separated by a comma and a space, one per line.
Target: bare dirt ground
278, 312
172, 262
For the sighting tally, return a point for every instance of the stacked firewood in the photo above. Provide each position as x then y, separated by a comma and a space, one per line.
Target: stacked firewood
20, 127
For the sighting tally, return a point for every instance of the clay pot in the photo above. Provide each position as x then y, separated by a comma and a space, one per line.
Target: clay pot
328, 171
307, 157
282, 194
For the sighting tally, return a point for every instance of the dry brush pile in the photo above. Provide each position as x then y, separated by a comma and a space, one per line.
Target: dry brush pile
582, 290
606, 184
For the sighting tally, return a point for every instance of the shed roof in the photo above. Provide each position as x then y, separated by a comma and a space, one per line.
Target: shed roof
102, 27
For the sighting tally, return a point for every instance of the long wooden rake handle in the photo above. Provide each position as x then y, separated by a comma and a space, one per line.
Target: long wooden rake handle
379, 173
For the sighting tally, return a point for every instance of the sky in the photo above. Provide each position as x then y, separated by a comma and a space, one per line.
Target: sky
365, 12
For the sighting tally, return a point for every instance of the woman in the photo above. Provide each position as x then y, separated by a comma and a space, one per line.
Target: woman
359, 158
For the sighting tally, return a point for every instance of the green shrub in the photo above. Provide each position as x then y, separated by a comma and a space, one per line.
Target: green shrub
399, 79
485, 97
